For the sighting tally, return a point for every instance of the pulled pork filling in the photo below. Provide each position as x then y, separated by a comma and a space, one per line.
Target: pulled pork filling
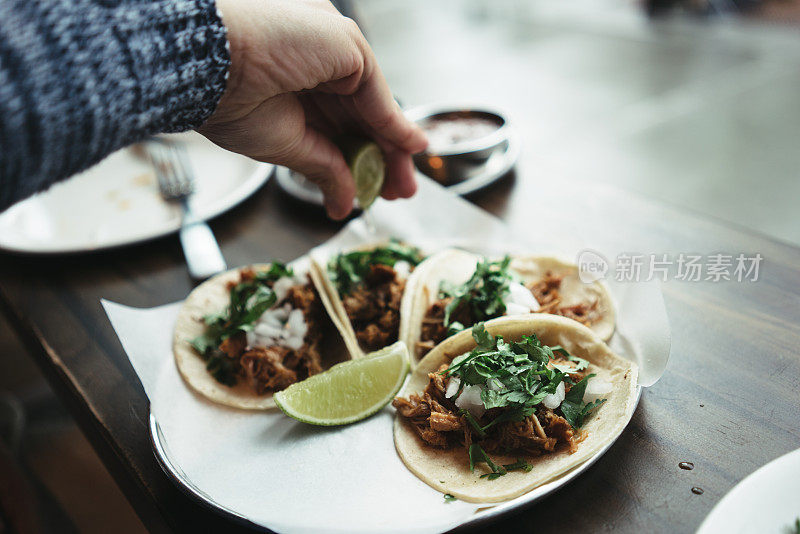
273, 368
546, 292
373, 307
433, 329
440, 423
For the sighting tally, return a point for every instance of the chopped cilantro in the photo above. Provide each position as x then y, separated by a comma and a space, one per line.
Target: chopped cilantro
348, 270
248, 300
222, 369
582, 364
449, 498
573, 407
454, 328
483, 294
478, 455
471, 420
515, 377
519, 464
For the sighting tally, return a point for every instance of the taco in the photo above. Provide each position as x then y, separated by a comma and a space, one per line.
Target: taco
249, 332
364, 291
458, 289
496, 411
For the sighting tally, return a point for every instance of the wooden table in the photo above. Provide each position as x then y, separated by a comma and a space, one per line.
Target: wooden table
728, 401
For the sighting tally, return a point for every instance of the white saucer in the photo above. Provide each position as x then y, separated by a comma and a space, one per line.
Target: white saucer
766, 501
117, 202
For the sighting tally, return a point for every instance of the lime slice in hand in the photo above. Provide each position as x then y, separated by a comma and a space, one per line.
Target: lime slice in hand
348, 391
365, 160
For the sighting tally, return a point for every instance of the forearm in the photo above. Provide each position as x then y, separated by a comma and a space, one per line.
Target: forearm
82, 78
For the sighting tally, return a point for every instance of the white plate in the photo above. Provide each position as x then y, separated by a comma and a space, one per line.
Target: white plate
766, 501
481, 515
117, 202
271, 471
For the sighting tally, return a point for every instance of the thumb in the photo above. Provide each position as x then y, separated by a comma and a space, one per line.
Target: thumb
277, 132
318, 159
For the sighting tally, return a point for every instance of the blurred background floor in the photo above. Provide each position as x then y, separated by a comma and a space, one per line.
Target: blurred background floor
703, 114
699, 113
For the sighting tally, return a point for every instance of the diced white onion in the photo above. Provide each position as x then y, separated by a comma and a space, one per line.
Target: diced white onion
296, 323
292, 342
512, 308
281, 287
251, 338
596, 388
551, 401
402, 268
276, 316
267, 330
269, 318
284, 327
452, 387
470, 400
521, 295
554, 400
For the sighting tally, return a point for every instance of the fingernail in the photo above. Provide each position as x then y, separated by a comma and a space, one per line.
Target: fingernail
336, 213
411, 188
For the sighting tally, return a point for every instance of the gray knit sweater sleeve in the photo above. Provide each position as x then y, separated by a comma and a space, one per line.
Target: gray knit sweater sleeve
82, 78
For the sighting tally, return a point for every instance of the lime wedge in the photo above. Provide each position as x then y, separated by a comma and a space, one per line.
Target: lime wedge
365, 160
349, 391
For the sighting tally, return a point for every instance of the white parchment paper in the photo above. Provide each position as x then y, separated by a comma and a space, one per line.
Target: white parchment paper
295, 478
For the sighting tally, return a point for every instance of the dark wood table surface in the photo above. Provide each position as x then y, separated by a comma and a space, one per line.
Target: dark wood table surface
728, 401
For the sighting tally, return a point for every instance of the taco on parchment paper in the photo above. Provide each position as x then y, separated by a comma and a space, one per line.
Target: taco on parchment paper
457, 289
249, 332
366, 290
498, 410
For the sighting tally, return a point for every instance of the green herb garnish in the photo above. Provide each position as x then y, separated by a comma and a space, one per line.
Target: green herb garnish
348, 270
580, 363
478, 455
221, 368
248, 301
473, 423
515, 377
519, 464
454, 328
483, 294
573, 408
449, 498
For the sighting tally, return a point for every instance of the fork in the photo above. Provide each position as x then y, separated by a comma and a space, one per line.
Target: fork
176, 184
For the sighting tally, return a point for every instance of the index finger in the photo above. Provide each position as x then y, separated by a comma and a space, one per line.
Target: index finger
373, 101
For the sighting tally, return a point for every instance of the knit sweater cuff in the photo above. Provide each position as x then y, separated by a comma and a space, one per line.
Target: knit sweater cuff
179, 58
80, 79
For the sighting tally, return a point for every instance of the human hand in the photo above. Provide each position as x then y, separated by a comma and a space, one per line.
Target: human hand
302, 74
